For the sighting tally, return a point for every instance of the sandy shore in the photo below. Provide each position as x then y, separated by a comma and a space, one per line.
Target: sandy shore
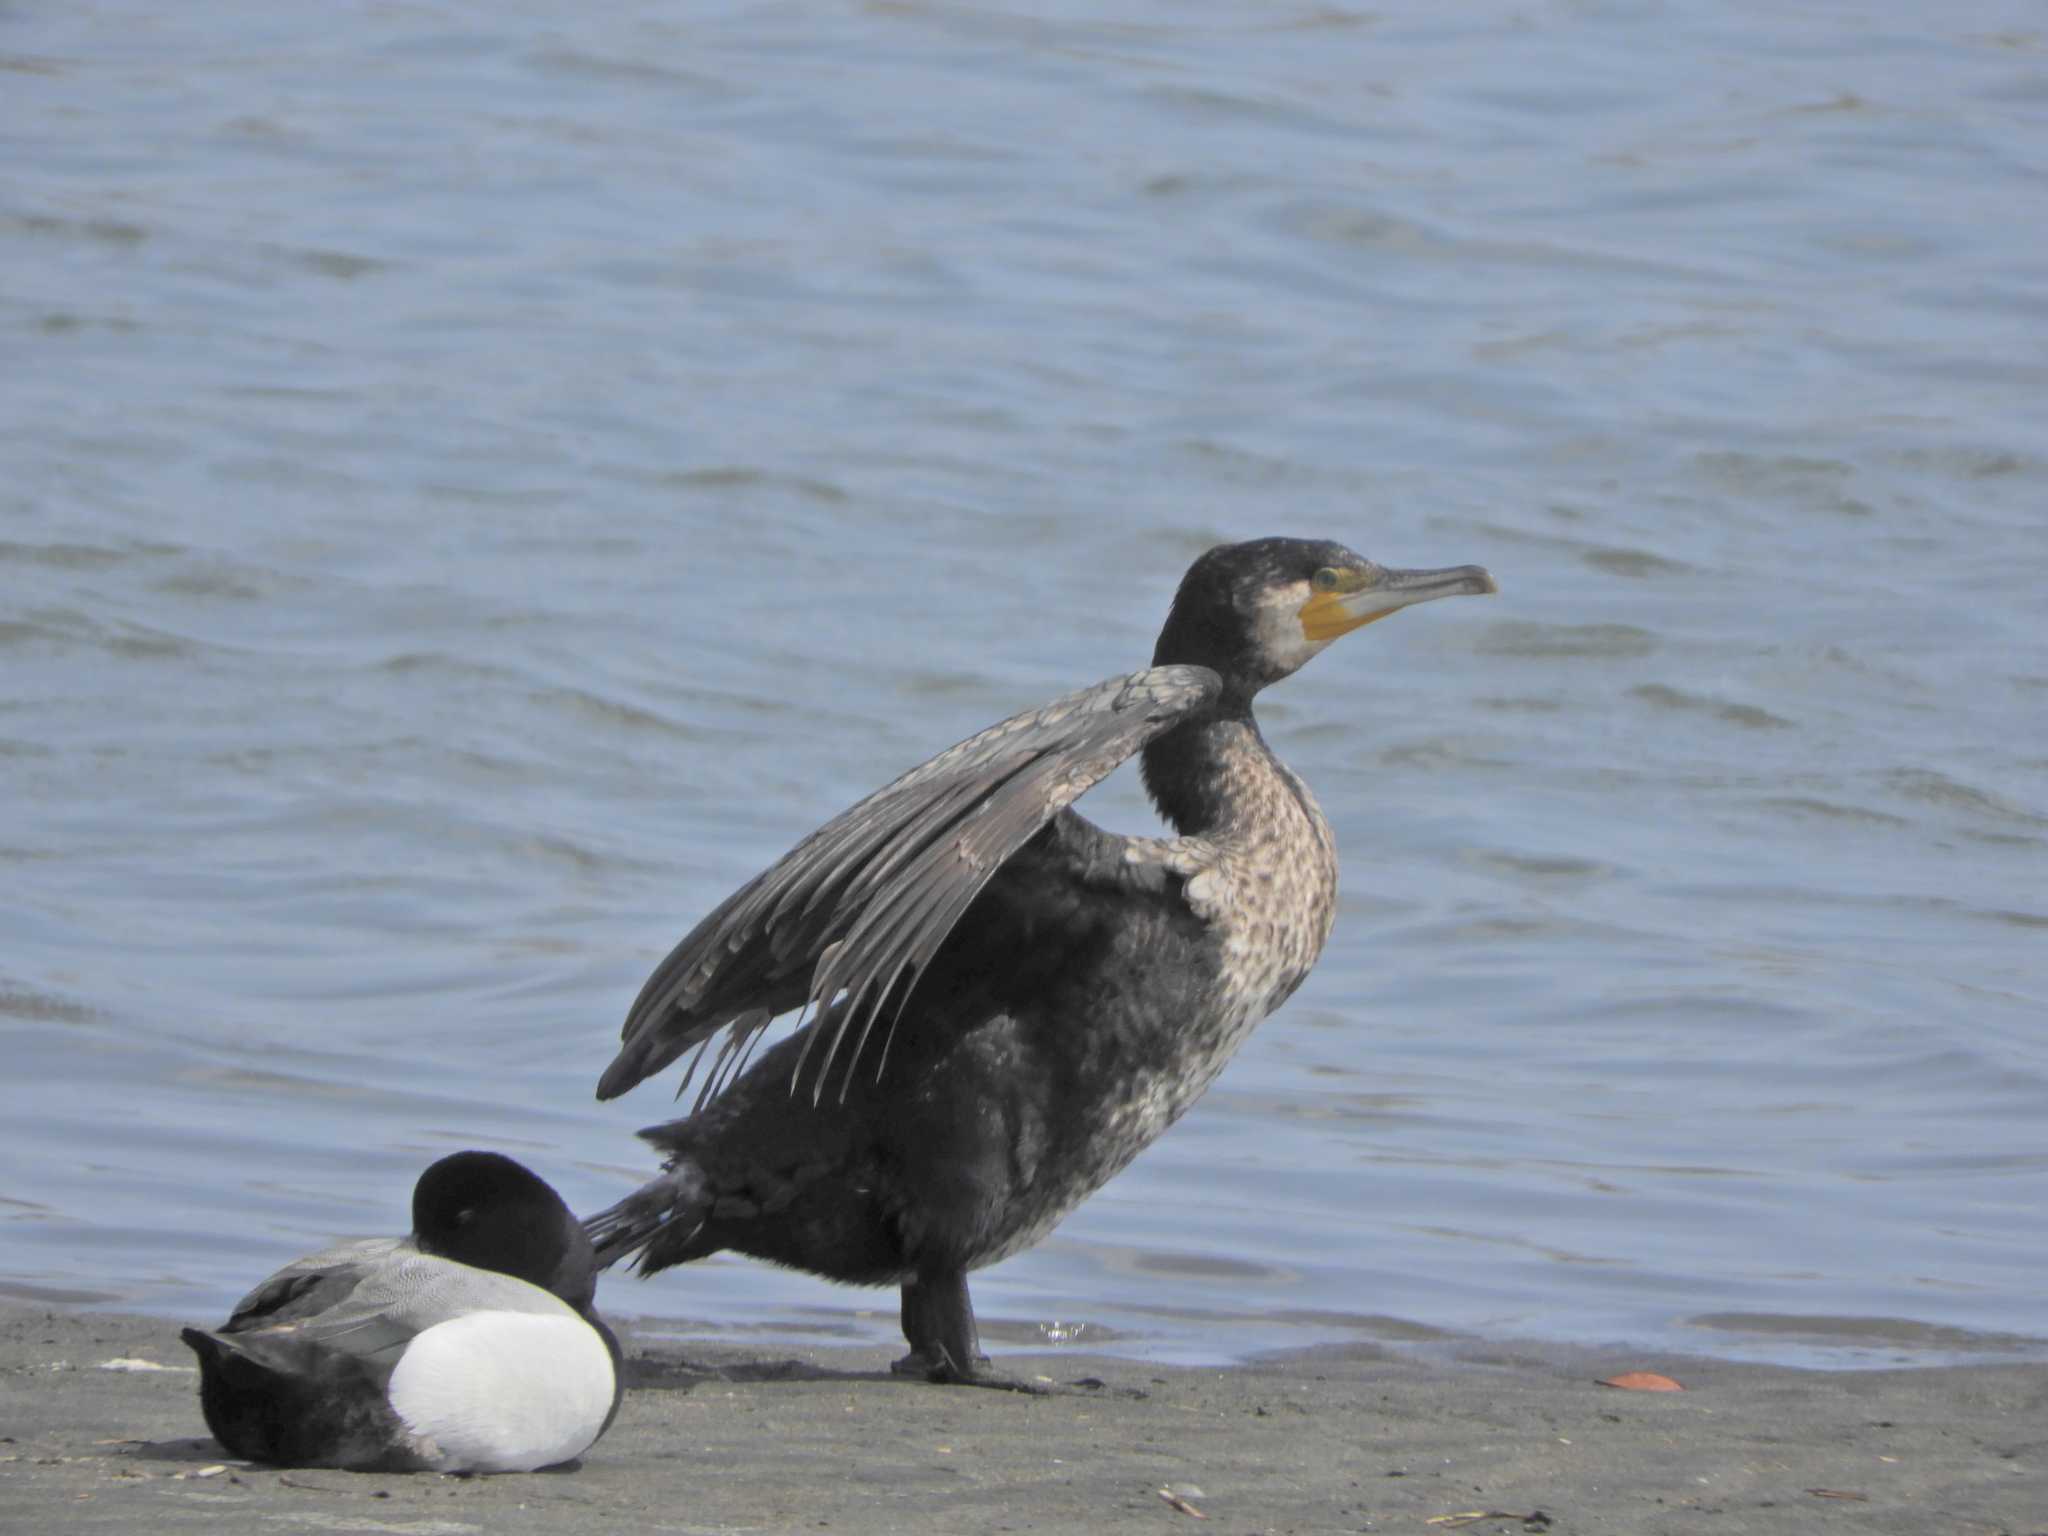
715, 1439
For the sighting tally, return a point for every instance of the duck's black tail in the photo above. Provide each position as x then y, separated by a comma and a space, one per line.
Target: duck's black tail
671, 1208
274, 1398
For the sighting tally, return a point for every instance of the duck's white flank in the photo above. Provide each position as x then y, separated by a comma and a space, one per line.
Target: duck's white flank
504, 1391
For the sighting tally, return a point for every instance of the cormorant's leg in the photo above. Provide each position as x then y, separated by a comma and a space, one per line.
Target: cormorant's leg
938, 1320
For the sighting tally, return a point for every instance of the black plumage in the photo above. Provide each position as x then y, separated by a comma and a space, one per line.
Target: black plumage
1006, 1003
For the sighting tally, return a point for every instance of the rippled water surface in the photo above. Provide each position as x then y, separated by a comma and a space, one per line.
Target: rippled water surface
478, 484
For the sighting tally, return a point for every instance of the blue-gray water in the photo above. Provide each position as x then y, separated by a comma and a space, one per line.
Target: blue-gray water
478, 483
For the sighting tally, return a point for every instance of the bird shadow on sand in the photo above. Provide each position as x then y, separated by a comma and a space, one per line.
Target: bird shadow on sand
648, 1373
209, 1453
200, 1451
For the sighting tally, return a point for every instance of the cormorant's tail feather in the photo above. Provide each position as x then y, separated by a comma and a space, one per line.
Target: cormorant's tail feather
673, 1207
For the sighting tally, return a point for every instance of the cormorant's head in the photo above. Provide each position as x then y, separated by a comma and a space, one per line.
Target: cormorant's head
1255, 612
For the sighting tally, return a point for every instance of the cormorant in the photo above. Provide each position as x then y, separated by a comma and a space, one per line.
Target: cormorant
1006, 1003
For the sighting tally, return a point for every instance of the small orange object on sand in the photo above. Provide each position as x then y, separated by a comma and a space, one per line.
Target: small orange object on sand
1642, 1381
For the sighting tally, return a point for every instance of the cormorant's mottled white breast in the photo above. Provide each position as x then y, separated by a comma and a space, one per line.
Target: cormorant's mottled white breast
1007, 1003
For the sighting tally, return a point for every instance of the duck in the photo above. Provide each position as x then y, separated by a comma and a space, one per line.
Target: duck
470, 1345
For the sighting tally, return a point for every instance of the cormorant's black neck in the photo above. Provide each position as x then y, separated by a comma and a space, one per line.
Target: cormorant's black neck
1185, 770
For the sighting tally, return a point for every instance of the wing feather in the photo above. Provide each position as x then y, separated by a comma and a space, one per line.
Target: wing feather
864, 903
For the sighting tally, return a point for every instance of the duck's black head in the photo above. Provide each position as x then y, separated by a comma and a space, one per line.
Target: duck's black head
487, 1211
1255, 612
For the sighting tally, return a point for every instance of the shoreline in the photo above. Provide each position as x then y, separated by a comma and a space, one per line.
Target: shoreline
1356, 1438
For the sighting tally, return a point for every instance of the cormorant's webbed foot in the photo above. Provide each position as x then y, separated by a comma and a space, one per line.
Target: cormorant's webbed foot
980, 1373
945, 1345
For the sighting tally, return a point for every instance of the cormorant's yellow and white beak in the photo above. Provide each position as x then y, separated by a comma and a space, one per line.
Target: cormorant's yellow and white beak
1349, 597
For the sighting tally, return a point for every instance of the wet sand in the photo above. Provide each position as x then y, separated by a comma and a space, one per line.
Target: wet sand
711, 1438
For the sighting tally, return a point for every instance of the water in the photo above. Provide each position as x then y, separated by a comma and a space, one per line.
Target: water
477, 487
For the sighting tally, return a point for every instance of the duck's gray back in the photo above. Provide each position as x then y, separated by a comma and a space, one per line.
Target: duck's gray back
386, 1293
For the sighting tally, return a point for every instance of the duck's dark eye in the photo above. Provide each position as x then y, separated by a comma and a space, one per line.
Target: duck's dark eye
1326, 579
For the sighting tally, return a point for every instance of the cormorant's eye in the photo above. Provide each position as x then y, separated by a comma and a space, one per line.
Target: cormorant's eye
1326, 579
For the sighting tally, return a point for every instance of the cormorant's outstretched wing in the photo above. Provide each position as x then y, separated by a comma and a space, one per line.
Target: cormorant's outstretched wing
866, 900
